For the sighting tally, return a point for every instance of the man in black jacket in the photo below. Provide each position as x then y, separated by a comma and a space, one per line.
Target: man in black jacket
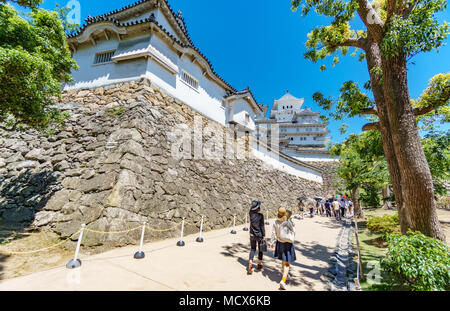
257, 235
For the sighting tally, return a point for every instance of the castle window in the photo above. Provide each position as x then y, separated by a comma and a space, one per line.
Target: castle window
189, 80
104, 57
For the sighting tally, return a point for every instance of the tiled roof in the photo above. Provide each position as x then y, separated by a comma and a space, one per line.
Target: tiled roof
245, 91
151, 19
178, 17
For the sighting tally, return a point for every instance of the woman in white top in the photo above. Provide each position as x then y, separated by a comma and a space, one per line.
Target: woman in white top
284, 235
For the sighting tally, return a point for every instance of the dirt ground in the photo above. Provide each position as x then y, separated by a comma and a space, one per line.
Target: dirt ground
12, 266
217, 264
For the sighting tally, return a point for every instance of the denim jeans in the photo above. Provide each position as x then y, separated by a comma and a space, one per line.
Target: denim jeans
253, 242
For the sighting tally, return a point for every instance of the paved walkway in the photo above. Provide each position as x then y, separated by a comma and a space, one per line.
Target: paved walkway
217, 264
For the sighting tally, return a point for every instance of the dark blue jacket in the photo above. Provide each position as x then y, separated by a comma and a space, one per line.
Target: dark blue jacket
257, 228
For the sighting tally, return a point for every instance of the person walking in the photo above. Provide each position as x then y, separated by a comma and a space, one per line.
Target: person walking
283, 236
342, 208
335, 206
350, 208
328, 207
257, 235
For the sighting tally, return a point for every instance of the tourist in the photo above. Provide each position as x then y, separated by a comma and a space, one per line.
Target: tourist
342, 207
283, 235
350, 208
335, 206
257, 235
328, 207
300, 208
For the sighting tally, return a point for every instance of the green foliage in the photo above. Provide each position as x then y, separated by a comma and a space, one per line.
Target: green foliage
32, 4
62, 14
351, 101
417, 262
34, 63
116, 111
362, 162
418, 32
343, 128
385, 224
436, 146
408, 32
437, 94
370, 195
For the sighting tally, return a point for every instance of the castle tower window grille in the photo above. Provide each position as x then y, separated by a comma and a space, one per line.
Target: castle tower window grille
104, 57
189, 80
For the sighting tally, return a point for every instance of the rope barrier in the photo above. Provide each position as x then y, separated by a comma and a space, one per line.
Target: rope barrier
112, 232
203, 221
164, 230
42, 249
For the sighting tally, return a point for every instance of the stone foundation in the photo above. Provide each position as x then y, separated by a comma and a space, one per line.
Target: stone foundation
111, 168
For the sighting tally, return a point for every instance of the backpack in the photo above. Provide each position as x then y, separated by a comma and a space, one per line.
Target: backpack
286, 234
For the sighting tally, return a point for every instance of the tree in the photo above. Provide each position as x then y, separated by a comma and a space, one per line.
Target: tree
32, 4
394, 31
362, 165
35, 61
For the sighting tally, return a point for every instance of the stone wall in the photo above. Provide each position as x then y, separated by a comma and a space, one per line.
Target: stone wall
111, 168
330, 179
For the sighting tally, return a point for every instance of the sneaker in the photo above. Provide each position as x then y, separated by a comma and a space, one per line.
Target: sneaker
282, 285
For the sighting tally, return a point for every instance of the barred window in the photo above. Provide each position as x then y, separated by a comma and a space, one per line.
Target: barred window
190, 80
104, 57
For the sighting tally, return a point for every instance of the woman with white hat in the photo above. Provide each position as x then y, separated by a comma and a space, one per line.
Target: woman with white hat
284, 235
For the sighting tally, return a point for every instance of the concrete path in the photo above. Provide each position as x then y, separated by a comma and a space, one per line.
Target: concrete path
218, 264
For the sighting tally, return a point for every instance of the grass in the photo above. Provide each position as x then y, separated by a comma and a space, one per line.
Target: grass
373, 249
116, 111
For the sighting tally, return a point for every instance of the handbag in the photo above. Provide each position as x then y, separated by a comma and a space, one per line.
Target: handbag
263, 246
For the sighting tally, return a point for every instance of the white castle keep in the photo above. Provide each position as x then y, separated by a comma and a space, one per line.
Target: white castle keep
301, 134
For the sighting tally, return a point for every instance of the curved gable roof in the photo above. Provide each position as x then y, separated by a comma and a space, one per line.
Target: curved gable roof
176, 20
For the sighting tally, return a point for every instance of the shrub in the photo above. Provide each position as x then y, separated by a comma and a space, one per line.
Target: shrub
385, 224
417, 262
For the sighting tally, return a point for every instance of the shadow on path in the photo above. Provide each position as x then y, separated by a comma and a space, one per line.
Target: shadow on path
296, 278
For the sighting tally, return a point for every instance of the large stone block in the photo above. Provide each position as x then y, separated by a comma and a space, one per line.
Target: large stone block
99, 183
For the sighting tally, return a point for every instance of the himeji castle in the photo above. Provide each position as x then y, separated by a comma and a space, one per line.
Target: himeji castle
148, 40
301, 134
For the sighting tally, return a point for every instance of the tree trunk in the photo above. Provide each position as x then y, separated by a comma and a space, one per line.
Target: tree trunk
417, 192
373, 55
357, 210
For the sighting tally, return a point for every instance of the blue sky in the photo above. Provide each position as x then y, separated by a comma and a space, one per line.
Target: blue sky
260, 43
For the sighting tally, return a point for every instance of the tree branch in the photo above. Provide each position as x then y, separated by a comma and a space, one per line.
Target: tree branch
442, 100
355, 42
372, 110
407, 10
390, 9
371, 19
371, 126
